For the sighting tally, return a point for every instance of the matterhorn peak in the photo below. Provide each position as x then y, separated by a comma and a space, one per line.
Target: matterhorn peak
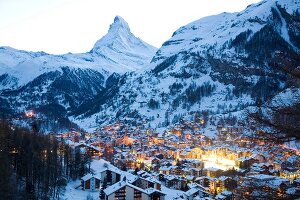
119, 32
119, 39
119, 23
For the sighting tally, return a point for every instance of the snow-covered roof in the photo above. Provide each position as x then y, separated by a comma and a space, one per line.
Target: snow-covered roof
166, 168
191, 191
189, 177
212, 169
223, 178
226, 193
89, 176
293, 190
262, 177
204, 177
115, 187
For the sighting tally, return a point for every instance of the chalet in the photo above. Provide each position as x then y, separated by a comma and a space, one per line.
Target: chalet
222, 183
191, 193
177, 170
127, 191
172, 182
146, 183
111, 176
196, 192
203, 181
245, 162
225, 195
155, 161
262, 184
166, 169
212, 172
293, 192
90, 182
262, 168
88, 149
175, 182
155, 167
228, 182
94, 152
260, 158
296, 182
195, 172
130, 164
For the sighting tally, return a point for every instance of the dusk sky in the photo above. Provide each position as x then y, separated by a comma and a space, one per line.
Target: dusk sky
61, 26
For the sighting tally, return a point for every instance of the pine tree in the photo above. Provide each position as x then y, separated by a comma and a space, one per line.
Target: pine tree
30, 165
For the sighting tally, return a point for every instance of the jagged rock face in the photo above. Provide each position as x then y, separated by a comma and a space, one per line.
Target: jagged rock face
221, 64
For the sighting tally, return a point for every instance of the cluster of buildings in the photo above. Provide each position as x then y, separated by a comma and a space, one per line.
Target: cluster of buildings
183, 158
113, 183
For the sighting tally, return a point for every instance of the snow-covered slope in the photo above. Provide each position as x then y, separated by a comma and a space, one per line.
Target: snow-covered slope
218, 30
117, 52
216, 66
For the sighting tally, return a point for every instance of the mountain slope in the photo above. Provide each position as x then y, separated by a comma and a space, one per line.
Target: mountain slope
216, 66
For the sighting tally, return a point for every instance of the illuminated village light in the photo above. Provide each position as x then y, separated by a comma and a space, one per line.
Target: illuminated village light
29, 113
215, 161
284, 146
202, 121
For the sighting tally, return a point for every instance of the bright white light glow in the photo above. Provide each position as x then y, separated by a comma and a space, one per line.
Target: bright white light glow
61, 26
218, 162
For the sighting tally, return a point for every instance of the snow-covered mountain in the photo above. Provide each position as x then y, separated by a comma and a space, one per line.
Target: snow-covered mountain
123, 48
217, 66
222, 31
119, 51
45, 82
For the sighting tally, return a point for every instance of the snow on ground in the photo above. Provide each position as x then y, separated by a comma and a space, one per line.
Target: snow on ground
87, 123
97, 166
286, 98
172, 194
77, 194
